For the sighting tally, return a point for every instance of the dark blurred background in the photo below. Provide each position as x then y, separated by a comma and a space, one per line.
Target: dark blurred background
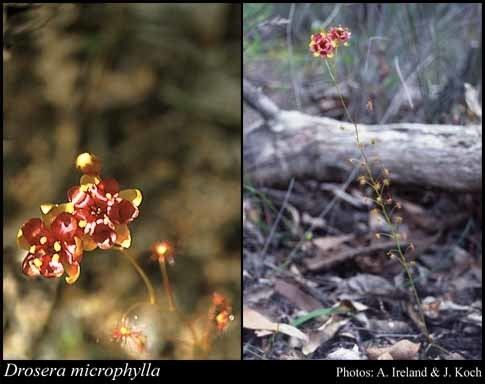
154, 91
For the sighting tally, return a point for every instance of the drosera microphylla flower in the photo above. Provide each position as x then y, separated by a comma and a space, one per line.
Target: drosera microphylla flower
163, 251
103, 211
53, 246
325, 44
340, 35
129, 337
322, 45
220, 312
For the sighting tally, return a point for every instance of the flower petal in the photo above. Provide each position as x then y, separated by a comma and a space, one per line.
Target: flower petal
64, 226
104, 236
50, 211
109, 186
22, 241
88, 244
52, 267
123, 237
132, 195
73, 271
122, 212
87, 180
72, 251
30, 267
80, 198
31, 231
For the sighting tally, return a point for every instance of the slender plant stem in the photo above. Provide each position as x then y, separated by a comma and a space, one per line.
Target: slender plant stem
387, 216
151, 292
132, 308
167, 287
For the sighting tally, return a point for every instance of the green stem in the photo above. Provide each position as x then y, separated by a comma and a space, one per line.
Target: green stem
167, 287
359, 144
146, 280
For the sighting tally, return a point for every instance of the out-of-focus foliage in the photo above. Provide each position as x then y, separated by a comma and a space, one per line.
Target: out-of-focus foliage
154, 91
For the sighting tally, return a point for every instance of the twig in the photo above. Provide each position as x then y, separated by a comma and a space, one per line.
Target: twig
259, 102
330, 18
290, 55
278, 218
405, 87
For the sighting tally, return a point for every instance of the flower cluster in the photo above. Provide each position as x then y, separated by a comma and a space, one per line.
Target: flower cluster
96, 216
324, 44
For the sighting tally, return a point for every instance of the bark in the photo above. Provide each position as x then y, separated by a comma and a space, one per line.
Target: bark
307, 147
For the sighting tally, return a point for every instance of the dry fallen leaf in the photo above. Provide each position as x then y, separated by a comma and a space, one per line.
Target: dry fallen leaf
256, 321
296, 296
365, 283
353, 305
331, 242
328, 330
385, 356
402, 350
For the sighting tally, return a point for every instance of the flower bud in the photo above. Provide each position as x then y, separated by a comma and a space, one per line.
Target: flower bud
163, 251
88, 164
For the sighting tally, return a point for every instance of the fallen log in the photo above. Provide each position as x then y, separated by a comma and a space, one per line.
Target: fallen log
290, 144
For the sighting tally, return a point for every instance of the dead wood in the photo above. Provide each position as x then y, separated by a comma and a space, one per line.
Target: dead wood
290, 144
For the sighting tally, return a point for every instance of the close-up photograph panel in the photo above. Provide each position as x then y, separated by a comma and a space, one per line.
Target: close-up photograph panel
362, 181
122, 181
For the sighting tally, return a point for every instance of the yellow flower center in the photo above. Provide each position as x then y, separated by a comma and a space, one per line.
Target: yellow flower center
57, 246
82, 223
55, 257
43, 240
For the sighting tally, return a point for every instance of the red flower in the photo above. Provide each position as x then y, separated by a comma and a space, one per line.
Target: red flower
322, 45
103, 211
52, 244
340, 34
